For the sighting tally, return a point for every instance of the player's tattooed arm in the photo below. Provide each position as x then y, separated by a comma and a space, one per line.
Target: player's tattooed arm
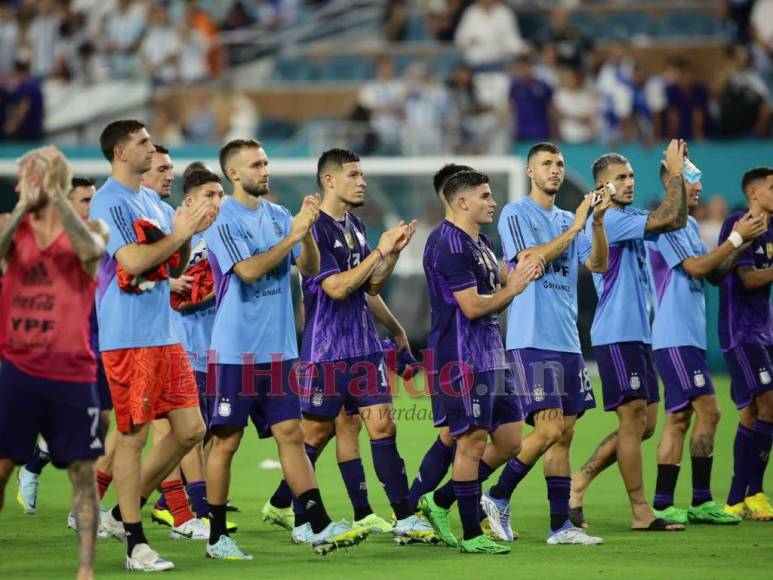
88, 239
8, 229
671, 214
381, 274
753, 278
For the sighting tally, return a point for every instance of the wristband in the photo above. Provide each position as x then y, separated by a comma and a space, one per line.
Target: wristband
380, 253
735, 239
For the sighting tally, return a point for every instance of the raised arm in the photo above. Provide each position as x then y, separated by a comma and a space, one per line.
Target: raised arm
554, 248
671, 214
9, 228
599, 253
383, 271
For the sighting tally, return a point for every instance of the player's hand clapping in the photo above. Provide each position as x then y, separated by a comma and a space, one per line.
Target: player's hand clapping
189, 220
306, 217
525, 271
410, 229
674, 156
581, 213
390, 238
602, 206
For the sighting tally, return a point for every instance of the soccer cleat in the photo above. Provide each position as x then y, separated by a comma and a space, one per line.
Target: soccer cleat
280, 517
568, 534
226, 549
302, 534
438, 519
672, 514
498, 513
738, 510
414, 529
144, 559
374, 523
711, 513
193, 529
112, 527
73, 524
162, 517
337, 535
229, 526
27, 494
758, 508
482, 545
230, 508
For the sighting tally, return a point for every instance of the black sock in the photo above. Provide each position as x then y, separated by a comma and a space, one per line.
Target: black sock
134, 536
217, 524
279, 500
701, 480
362, 512
444, 496
665, 486
116, 511
402, 509
311, 501
301, 519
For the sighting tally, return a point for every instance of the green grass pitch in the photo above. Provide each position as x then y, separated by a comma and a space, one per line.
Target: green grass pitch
41, 546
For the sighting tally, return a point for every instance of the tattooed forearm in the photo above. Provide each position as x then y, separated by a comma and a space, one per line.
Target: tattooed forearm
671, 214
381, 273
6, 236
716, 276
701, 445
87, 245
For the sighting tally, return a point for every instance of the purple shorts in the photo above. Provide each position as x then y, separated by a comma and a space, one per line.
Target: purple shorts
548, 379
432, 388
266, 393
206, 402
685, 375
485, 400
65, 414
103, 388
627, 372
751, 372
351, 383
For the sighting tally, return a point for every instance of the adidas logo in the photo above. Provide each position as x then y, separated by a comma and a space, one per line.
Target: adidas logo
338, 244
588, 397
759, 250
310, 504
37, 276
96, 444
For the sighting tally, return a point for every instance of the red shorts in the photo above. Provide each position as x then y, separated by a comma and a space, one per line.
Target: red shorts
147, 383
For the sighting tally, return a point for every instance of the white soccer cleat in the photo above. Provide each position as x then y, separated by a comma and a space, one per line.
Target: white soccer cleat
145, 559
27, 494
414, 529
568, 534
72, 523
498, 513
112, 527
303, 534
193, 529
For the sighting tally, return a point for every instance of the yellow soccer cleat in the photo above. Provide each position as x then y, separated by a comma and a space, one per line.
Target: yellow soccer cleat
759, 508
738, 510
162, 517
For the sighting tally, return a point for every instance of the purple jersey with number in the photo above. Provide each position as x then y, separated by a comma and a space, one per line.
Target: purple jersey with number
466, 263
337, 329
746, 316
430, 271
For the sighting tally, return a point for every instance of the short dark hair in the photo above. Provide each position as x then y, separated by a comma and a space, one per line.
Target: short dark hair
605, 161
753, 175
334, 158
199, 177
82, 182
445, 172
161, 149
461, 181
195, 166
116, 133
545, 147
233, 147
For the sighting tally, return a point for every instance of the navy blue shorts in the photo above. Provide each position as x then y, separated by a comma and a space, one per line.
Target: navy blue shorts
627, 371
485, 400
206, 401
439, 418
103, 388
751, 372
685, 375
351, 383
266, 393
548, 379
66, 415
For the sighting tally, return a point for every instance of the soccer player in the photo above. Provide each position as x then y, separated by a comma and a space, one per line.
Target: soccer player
251, 247
346, 365
680, 263
543, 343
149, 375
746, 339
47, 379
475, 385
440, 455
620, 333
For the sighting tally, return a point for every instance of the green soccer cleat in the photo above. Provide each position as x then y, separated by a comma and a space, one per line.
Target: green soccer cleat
226, 549
672, 514
438, 518
374, 523
280, 517
711, 513
482, 545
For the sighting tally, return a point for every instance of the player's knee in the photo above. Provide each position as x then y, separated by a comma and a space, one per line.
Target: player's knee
710, 414
550, 431
445, 437
318, 433
471, 448
384, 428
191, 437
288, 433
225, 443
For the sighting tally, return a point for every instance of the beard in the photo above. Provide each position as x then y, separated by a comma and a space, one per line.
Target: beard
255, 189
547, 186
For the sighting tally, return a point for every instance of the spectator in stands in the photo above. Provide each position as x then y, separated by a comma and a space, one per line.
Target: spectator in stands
70, 36
123, 33
198, 19
200, 123
716, 213
238, 18
24, 111
614, 87
192, 61
738, 18
9, 39
478, 122
395, 21
648, 95
166, 128
42, 36
687, 108
430, 114
573, 47
575, 103
489, 35
161, 47
744, 104
443, 17
384, 98
530, 103
762, 26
